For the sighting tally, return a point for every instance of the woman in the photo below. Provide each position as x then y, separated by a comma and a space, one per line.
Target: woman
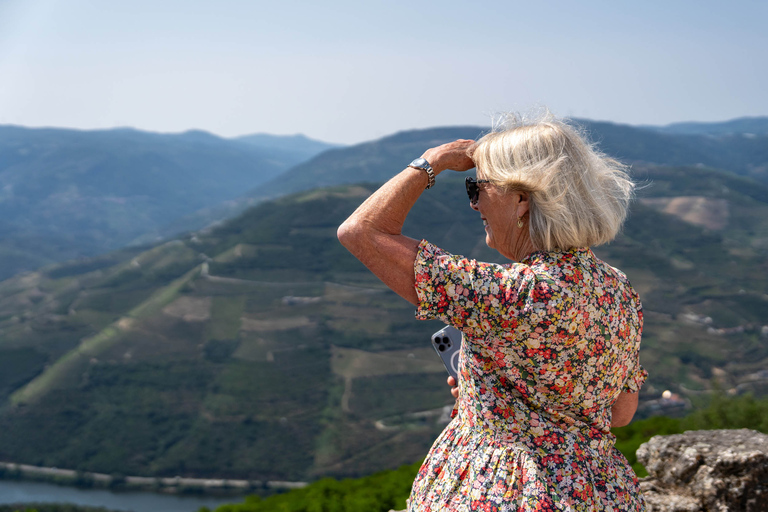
549, 358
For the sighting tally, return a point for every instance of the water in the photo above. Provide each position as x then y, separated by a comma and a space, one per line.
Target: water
14, 491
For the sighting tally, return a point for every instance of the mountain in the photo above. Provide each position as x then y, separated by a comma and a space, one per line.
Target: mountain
741, 153
298, 146
67, 193
745, 154
261, 349
374, 161
739, 126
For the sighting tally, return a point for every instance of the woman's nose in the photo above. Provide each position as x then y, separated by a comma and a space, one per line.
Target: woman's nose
473, 205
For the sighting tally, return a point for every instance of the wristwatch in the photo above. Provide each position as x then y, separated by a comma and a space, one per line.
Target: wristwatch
422, 164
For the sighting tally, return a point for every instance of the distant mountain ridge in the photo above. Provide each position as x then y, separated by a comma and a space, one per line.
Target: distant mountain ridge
378, 160
367, 162
742, 125
745, 154
71, 193
301, 146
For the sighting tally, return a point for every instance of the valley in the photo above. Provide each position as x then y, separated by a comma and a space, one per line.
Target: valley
259, 349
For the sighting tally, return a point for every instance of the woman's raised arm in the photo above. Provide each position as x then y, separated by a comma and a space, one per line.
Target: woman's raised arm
373, 233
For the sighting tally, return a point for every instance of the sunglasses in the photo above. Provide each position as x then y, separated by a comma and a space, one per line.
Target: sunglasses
473, 191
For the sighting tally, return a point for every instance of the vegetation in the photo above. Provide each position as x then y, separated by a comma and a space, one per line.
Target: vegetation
50, 507
261, 350
722, 412
380, 492
388, 490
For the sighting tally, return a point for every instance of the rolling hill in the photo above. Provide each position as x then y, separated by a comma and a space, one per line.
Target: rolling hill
261, 349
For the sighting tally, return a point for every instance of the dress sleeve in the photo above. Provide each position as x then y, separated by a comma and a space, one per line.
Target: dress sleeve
472, 296
635, 379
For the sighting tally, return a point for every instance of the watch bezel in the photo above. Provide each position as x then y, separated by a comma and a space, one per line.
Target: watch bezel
420, 163
423, 164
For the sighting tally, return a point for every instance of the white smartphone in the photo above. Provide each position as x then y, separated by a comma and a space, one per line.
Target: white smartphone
447, 343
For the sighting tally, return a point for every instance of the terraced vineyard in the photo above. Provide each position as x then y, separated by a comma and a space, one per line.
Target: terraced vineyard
262, 350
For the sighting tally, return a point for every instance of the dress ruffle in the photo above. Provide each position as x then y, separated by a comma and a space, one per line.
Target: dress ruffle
505, 474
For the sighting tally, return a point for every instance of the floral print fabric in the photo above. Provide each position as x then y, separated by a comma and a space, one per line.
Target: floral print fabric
549, 344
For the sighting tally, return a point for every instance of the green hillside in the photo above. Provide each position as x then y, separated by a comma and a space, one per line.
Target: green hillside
261, 349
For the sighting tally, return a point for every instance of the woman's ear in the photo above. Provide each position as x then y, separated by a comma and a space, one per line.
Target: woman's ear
522, 203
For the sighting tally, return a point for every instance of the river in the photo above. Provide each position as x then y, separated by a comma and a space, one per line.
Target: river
15, 491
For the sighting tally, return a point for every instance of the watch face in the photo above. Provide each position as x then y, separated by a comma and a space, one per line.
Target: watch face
420, 163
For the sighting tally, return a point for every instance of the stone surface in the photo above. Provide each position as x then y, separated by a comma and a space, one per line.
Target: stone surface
706, 470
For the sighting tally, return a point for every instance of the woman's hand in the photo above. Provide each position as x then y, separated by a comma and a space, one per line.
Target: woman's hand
453, 155
454, 387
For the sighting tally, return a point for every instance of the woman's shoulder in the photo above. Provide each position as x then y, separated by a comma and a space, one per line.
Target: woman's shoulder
434, 264
579, 267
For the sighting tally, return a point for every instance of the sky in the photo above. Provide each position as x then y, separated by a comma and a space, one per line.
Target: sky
347, 71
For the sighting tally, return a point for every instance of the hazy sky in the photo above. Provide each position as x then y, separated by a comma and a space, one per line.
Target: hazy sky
348, 71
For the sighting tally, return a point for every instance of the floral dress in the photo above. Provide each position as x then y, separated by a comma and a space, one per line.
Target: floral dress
549, 343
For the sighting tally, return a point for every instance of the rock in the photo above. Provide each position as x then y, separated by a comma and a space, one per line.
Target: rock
706, 470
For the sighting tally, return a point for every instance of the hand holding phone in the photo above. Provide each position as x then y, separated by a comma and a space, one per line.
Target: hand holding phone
454, 386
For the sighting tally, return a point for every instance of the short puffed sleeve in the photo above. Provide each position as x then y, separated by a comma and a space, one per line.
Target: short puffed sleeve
473, 296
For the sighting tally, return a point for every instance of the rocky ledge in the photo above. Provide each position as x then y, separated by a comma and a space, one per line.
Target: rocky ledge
706, 470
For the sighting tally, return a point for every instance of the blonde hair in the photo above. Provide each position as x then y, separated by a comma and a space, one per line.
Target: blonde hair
578, 197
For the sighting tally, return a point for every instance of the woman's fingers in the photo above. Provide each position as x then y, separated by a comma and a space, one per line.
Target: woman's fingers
453, 155
454, 387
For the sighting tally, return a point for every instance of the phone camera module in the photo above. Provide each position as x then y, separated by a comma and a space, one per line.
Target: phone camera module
443, 343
